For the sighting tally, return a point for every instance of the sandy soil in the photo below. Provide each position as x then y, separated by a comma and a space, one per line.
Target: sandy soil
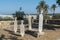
50, 34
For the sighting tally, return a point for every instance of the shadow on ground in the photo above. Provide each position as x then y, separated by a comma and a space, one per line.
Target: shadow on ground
47, 27
2, 37
50, 27
11, 32
33, 33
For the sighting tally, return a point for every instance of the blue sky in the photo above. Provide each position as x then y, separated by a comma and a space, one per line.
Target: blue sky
28, 6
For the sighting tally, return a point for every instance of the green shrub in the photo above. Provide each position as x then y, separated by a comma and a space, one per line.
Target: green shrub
46, 16
5, 18
19, 15
56, 17
1, 18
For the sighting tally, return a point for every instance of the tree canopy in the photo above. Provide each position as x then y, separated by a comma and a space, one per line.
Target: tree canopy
19, 14
42, 6
53, 7
58, 2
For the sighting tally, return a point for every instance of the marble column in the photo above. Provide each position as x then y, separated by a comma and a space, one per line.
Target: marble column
15, 25
29, 20
22, 29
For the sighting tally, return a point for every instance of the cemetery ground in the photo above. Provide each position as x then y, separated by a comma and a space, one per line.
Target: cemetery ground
51, 33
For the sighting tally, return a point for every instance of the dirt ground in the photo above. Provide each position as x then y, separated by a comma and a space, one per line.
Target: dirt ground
49, 34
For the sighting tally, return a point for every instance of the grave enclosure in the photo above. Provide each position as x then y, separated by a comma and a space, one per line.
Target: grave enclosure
22, 28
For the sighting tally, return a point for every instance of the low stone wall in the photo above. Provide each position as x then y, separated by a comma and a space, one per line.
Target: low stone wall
55, 21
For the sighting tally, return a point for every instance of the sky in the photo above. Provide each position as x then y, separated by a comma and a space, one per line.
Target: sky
28, 6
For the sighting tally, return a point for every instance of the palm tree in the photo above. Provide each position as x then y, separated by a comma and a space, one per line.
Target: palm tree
53, 7
46, 8
46, 11
42, 6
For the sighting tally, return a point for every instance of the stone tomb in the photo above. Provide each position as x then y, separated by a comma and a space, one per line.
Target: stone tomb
22, 28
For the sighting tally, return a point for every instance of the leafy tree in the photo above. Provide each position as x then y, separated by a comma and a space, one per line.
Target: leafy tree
19, 15
53, 7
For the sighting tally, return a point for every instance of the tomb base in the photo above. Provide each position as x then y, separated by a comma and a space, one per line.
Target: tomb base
41, 33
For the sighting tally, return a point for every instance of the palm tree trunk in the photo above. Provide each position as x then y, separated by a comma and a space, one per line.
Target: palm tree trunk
53, 13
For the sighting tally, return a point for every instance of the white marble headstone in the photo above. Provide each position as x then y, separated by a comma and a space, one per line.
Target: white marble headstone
15, 25
41, 24
29, 20
22, 29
